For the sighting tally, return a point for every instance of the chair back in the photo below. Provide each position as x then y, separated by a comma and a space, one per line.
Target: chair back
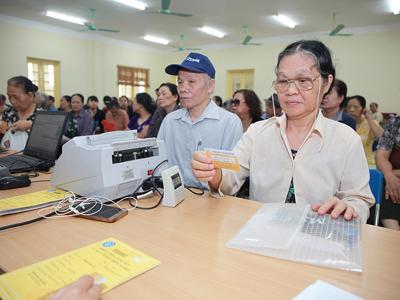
376, 184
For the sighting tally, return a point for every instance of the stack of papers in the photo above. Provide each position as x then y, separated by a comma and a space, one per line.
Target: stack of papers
110, 261
31, 201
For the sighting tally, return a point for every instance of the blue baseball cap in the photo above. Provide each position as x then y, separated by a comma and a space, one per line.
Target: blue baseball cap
194, 62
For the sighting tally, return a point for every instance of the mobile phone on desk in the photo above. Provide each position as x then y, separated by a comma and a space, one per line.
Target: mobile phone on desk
109, 214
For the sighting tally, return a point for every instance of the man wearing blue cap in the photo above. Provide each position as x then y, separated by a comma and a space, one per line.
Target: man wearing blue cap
200, 123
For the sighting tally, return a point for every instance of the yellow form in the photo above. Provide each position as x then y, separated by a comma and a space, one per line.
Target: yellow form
31, 201
110, 261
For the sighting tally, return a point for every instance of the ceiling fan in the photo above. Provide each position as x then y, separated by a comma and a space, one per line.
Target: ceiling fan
181, 47
336, 29
166, 11
91, 26
247, 38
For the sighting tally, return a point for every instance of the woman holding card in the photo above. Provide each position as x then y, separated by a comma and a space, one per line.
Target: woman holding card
301, 156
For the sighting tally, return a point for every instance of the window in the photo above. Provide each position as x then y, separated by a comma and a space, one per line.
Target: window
46, 75
239, 79
132, 81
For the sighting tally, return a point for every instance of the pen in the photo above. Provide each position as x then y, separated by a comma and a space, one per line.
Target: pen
198, 145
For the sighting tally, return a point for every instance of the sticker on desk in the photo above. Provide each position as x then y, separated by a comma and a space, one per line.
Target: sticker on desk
224, 159
111, 262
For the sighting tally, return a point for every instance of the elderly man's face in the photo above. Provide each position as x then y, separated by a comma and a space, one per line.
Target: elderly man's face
194, 89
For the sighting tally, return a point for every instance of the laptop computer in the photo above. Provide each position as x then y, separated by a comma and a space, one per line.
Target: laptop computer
43, 144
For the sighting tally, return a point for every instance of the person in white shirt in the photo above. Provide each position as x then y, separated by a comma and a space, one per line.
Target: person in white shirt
300, 157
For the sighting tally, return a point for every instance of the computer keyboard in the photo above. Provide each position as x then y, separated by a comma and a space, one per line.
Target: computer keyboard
19, 162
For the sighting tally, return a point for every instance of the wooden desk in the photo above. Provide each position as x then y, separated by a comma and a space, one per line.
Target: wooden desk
189, 240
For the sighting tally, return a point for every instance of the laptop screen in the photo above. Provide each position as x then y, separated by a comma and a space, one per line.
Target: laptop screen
45, 136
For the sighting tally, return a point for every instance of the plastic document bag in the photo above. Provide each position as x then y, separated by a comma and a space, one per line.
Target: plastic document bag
14, 141
295, 232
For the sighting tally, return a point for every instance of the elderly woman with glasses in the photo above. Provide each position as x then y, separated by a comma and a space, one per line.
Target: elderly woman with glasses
247, 106
301, 156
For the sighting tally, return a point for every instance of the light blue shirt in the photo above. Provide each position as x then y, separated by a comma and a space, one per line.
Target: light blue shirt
216, 128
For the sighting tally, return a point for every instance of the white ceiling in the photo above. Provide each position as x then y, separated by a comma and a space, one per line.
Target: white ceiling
312, 16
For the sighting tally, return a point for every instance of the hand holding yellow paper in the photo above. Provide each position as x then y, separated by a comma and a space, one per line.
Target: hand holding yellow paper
111, 262
223, 159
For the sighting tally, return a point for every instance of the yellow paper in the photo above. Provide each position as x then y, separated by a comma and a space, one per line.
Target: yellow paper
223, 159
110, 261
31, 201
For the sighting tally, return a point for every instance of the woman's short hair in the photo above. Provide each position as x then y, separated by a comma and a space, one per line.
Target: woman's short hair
252, 101
67, 98
80, 96
146, 101
360, 100
318, 51
92, 98
23, 83
172, 88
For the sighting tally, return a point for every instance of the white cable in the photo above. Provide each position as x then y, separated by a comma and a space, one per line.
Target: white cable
71, 202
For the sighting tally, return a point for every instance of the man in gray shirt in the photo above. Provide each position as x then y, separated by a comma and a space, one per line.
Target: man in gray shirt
200, 123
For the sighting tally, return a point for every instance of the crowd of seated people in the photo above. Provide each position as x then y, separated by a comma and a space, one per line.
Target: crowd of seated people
143, 113
146, 115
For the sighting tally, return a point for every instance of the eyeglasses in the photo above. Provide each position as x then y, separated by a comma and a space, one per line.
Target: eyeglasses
235, 102
303, 84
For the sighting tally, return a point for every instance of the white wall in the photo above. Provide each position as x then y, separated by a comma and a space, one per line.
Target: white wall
87, 66
368, 63
75, 56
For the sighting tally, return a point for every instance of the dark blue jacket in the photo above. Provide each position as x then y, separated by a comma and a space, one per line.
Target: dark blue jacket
348, 120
